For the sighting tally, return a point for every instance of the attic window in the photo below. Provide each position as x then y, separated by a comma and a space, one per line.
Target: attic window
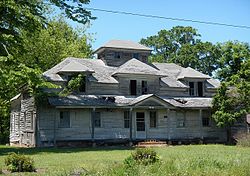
136, 55
117, 55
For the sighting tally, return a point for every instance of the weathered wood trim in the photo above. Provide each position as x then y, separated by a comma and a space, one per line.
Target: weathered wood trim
93, 124
130, 124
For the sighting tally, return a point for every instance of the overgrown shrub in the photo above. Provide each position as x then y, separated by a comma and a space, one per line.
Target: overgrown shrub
19, 163
243, 139
143, 156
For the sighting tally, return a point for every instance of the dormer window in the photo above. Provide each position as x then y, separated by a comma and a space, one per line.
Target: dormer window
191, 88
144, 87
117, 55
80, 80
196, 89
136, 55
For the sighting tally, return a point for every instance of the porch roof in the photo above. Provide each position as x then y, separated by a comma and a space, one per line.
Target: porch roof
126, 101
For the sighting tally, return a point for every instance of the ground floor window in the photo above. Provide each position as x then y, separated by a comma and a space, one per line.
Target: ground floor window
97, 119
206, 118
152, 116
64, 121
126, 119
180, 116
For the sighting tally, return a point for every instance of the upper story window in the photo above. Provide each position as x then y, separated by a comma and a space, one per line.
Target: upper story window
144, 87
133, 86
191, 88
79, 80
136, 55
196, 89
117, 55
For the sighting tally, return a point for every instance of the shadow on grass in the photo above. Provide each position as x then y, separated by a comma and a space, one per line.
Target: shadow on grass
31, 151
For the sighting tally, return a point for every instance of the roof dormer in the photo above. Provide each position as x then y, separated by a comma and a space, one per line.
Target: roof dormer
117, 52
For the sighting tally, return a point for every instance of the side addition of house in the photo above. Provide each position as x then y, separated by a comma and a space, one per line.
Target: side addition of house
122, 98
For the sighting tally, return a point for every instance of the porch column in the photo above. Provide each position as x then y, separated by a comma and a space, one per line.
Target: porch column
93, 124
200, 120
130, 125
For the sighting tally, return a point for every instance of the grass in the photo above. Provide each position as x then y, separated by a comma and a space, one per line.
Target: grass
175, 160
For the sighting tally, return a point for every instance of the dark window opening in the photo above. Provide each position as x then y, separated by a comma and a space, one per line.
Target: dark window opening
140, 121
64, 121
126, 119
136, 55
82, 87
206, 118
191, 88
205, 121
117, 55
152, 119
97, 119
133, 85
144, 87
200, 89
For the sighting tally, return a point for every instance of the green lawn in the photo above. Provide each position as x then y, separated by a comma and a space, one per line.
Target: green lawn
175, 160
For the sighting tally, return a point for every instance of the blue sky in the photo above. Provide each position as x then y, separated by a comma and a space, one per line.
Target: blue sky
109, 26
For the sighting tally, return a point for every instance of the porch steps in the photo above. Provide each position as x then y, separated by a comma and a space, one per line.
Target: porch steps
151, 143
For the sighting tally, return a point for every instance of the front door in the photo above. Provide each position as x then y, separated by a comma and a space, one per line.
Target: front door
140, 125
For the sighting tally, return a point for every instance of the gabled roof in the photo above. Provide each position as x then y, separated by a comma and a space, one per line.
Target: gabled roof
102, 73
134, 66
123, 44
171, 71
74, 66
191, 73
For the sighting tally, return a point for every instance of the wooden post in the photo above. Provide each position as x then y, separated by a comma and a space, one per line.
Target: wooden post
54, 140
200, 118
93, 125
130, 125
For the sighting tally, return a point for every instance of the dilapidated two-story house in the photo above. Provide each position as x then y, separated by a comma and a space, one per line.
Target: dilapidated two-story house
122, 98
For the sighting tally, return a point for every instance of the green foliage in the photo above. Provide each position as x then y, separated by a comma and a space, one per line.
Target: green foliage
19, 163
233, 55
143, 156
181, 45
73, 85
49, 46
17, 16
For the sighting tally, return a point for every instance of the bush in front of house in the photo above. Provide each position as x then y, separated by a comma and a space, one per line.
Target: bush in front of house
143, 156
243, 139
19, 163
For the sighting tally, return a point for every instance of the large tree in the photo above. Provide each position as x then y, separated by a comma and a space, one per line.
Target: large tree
22, 58
47, 47
231, 103
182, 45
28, 15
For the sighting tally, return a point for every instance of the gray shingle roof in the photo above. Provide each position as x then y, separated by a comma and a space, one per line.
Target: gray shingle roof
74, 66
102, 73
191, 73
134, 66
123, 44
119, 101
171, 71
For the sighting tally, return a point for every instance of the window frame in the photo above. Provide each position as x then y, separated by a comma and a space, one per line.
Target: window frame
191, 89
126, 119
61, 115
152, 114
97, 115
135, 87
144, 87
